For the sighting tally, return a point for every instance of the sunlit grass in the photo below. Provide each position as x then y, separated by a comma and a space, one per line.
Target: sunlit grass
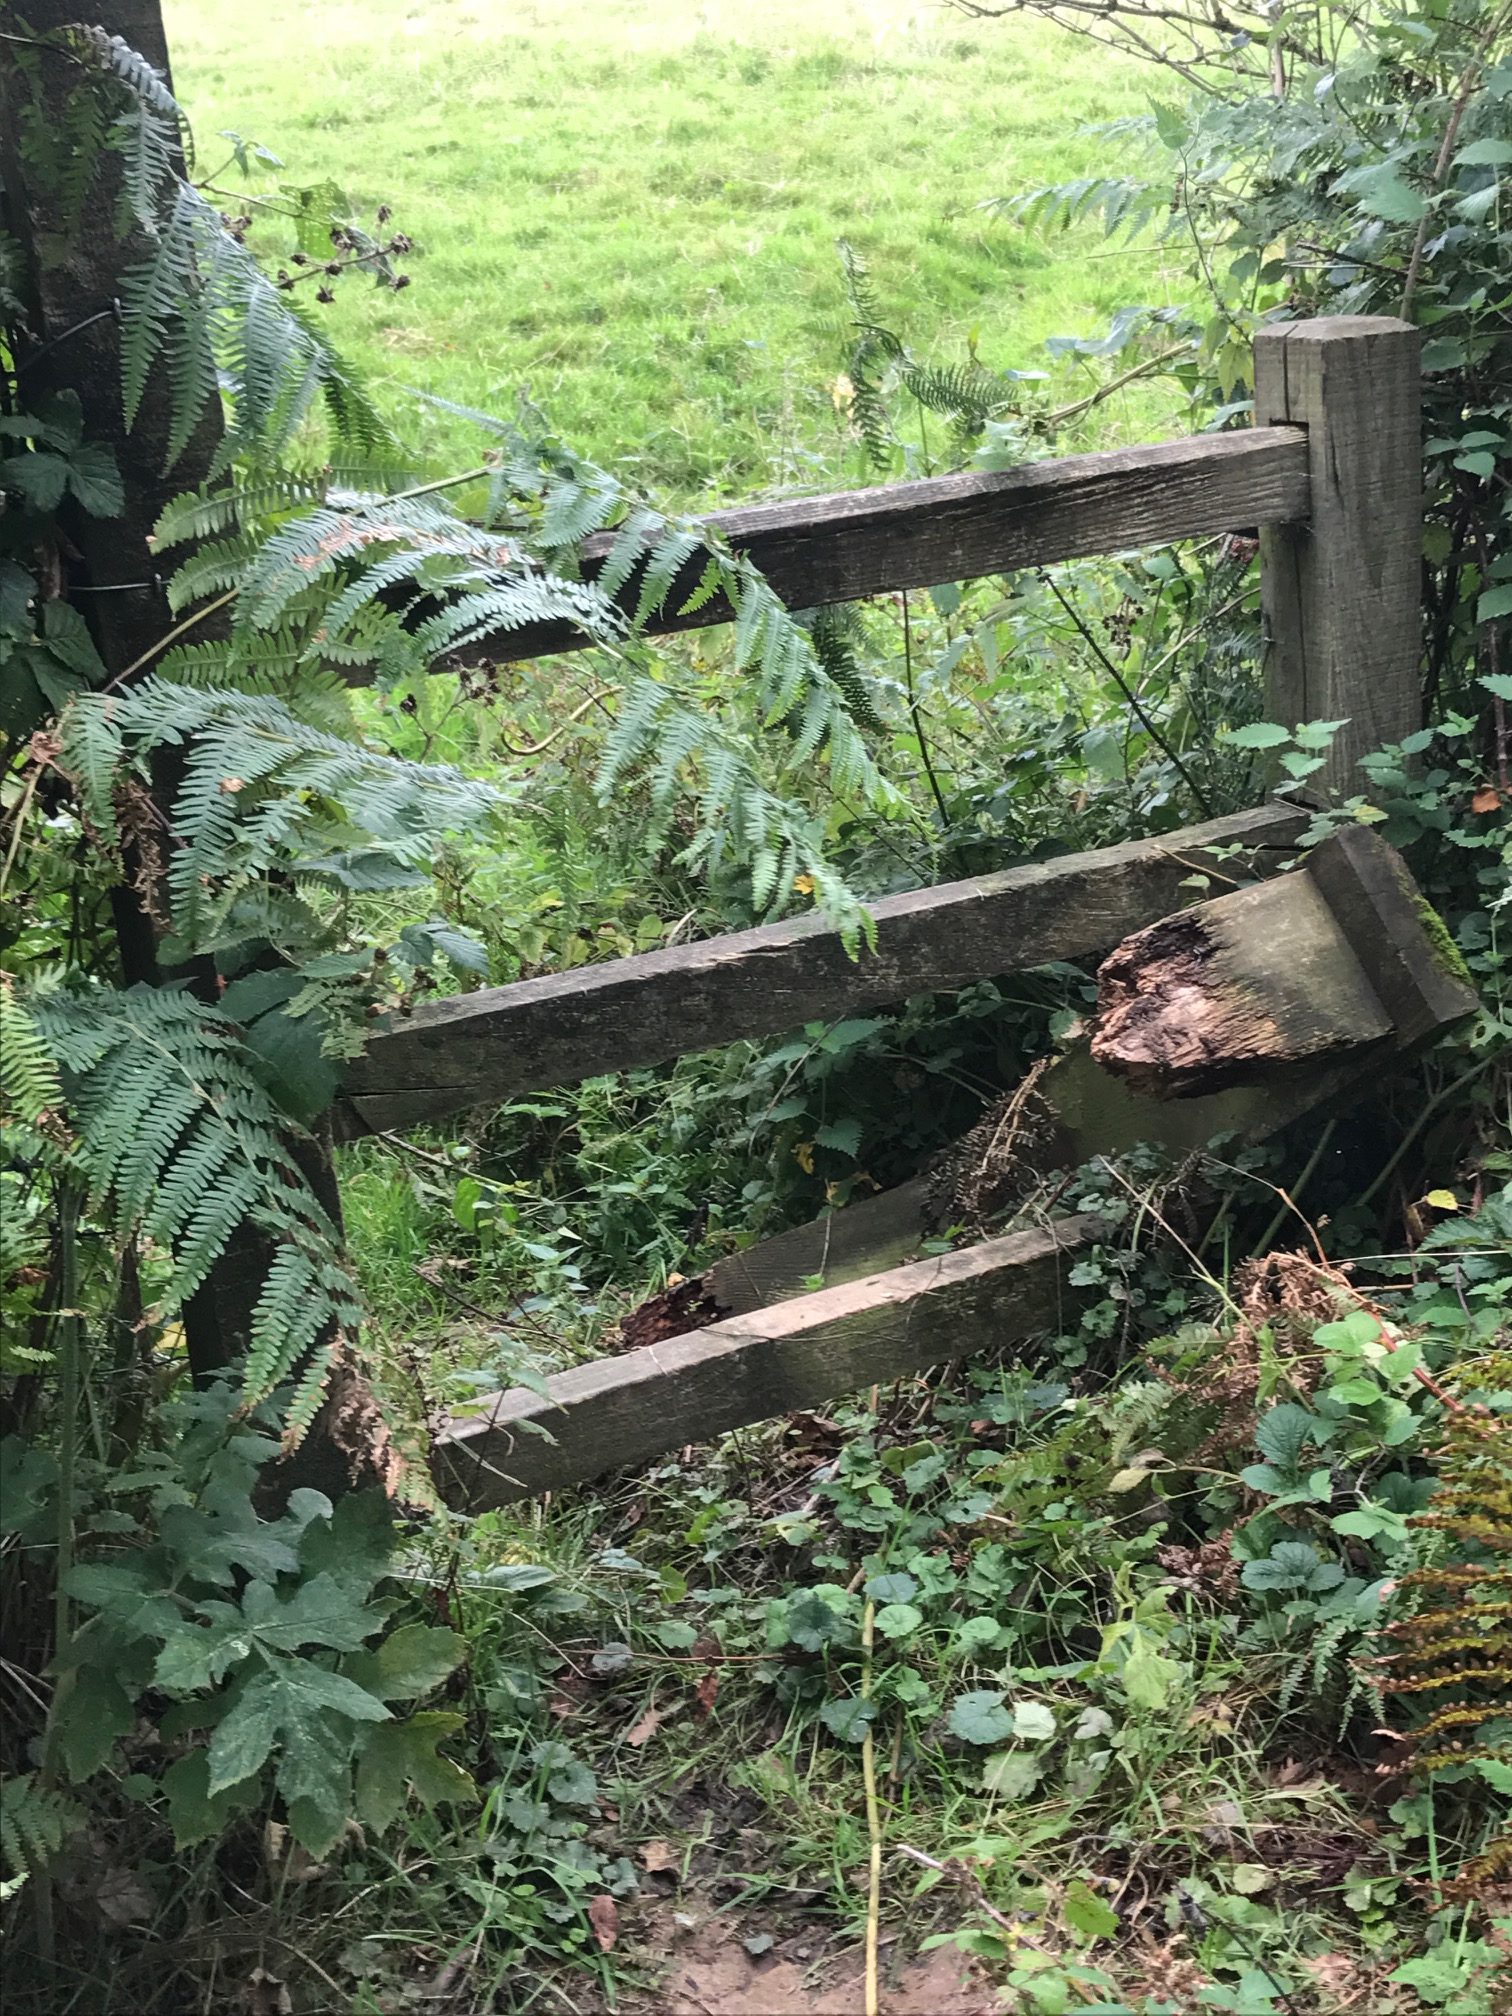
633, 209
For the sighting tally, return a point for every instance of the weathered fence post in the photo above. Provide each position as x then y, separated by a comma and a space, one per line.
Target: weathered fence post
1342, 592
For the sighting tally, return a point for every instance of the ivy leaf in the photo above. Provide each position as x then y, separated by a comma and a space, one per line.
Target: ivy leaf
849, 1719
291, 1696
409, 1663
980, 1717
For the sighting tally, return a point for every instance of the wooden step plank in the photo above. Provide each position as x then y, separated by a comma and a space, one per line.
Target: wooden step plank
847, 546
750, 1368
501, 1041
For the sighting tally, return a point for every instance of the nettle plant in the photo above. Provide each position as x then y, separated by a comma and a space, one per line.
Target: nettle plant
225, 797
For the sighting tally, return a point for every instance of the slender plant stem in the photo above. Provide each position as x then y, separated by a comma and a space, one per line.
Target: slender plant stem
172, 637
918, 725
1201, 797
1289, 1203
873, 1817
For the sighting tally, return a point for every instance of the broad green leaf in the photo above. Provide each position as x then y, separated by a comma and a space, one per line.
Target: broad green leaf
319, 1612
90, 1718
409, 1663
898, 1620
849, 1719
1284, 1433
1148, 1676
355, 1545
1257, 735
402, 1758
314, 1776
1484, 154
980, 1717
195, 1813
1012, 1774
95, 480
127, 1596
892, 1588
1033, 1721
289, 1697
1086, 1913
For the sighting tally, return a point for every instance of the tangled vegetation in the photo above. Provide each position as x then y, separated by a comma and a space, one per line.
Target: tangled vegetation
1177, 1650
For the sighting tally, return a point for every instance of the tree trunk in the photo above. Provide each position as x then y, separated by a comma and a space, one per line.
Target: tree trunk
75, 264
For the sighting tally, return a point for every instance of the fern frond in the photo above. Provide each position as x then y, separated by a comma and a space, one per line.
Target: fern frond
178, 1138
35, 1821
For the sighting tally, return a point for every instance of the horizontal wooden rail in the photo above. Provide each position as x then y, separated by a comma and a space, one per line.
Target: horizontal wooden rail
501, 1041
749, 1368
845, 547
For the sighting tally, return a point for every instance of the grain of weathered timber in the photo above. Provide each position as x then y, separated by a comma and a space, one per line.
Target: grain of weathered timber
845, 547
501, 1041
1399, 941
1342, 592
1248, 986
810, 1349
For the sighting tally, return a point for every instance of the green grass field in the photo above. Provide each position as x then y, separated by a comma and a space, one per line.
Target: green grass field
633, 209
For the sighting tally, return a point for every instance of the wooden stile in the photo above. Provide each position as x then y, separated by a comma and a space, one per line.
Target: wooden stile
844, 547
624, 1410
501, 1041
1342, 591
1262, 991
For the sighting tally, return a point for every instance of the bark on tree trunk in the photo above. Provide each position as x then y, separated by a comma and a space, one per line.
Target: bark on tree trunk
75, 264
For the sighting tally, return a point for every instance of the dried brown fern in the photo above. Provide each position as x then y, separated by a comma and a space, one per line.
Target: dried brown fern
1452, 1653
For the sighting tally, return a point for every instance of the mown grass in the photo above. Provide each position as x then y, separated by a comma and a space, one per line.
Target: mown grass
633, 209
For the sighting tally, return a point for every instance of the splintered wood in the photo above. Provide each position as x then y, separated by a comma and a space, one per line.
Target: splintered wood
1234, 1017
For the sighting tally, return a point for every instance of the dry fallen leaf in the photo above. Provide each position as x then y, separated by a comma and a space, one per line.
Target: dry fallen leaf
644, 1730
706, 1690
266, 1995
603, 1916
1487, 799
659, 1855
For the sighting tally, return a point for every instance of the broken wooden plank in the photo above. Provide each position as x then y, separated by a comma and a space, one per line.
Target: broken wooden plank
1396, 934
1233, 991
501, 1041
1383, 949
853, 544
688, 1389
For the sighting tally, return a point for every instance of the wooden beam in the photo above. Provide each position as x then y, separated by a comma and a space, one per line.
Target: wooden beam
689, 1389
844, 547
1342, 591
501, 1041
